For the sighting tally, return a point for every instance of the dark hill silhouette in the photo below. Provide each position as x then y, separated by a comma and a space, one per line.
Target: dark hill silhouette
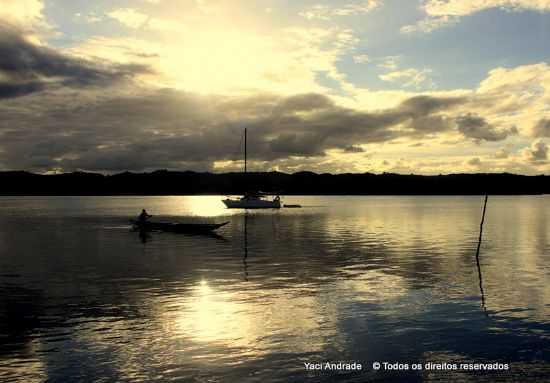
162, 182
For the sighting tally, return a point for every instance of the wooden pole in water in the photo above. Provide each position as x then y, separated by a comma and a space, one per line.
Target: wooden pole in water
245, 150
483, 216
477, 253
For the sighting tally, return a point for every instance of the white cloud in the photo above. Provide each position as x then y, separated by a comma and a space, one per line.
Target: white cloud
211, 50
325, 12
515, 96
467, 7
410, 77
428, 24
90, 18
215, 59
389, 63
361, 59
440, 13
27, 16
129, 17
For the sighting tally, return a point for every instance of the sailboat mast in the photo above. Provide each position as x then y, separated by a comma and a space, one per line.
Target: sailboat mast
245, 150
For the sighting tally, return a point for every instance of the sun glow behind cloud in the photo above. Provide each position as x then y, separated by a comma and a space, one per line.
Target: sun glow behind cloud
171, 83
227, 53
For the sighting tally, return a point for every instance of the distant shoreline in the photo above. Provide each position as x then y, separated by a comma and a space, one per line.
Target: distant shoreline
162, 182
282, 194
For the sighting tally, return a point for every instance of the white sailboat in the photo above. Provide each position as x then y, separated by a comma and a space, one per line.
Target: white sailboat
252, 200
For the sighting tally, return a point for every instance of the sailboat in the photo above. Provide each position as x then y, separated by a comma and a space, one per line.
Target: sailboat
252, 199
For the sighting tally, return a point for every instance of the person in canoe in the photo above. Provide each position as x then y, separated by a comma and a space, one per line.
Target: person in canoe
143, 217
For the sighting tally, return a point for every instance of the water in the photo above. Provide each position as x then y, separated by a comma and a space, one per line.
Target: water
354, 279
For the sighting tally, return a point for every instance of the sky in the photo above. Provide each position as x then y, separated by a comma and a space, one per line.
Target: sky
401, 86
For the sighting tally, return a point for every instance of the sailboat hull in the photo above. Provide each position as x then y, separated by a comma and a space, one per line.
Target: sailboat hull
252, 200
251, 204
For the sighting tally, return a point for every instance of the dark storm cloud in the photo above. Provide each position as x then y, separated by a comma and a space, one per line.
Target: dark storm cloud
426, 105
175, 130
353, 149
9, 90
477, 128
430, 124
27, 68
304, 103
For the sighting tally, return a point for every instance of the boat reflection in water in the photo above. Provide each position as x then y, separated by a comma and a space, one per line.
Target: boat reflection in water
346, 279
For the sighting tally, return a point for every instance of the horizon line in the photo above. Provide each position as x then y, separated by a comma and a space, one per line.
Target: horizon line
120, 172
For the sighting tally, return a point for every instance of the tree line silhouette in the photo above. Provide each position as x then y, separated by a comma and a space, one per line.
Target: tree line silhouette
163, 182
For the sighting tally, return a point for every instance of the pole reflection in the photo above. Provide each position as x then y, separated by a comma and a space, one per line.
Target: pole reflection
245, 256
480, 276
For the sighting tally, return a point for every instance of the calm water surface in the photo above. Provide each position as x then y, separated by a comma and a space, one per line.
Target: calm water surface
360, 279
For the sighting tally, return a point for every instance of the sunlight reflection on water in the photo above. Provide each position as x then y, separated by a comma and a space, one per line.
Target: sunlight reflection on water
344, 278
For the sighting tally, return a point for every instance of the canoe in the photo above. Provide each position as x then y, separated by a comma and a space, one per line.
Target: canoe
177, 227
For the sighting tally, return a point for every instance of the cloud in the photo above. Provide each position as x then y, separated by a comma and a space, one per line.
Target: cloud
502, 154
531, 78
26, 67
440, 13
406, 77
174, 129
514, 97
361, 59
353, 149
129, 17
304, 103
474, 162
410, 77
423, 105
423, 125
542, 128
102, 127
468, 7
26, 15
190, 57
429, 24
390, 63
325, 12
90, 18
537, 153
477, 128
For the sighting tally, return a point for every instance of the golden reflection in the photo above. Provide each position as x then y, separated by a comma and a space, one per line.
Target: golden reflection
204, 206
211, 315
525, 266
254, 320
31, 368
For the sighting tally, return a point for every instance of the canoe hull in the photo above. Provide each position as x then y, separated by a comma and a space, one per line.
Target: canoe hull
178, 227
